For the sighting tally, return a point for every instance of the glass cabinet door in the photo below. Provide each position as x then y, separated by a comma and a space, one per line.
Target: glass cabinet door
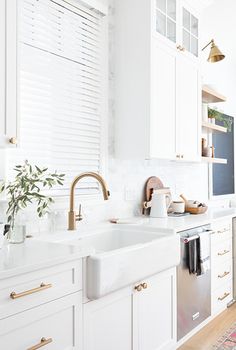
166, 18
189, 32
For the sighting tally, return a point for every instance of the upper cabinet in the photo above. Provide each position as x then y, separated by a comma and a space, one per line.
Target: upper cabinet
8, 73
166, 19
158, 90
189, 24
178, 23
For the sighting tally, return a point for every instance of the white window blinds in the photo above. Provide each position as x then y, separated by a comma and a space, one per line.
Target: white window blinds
61, 94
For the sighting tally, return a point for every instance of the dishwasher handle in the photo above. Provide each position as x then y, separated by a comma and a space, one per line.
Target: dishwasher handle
193, 237
189, 239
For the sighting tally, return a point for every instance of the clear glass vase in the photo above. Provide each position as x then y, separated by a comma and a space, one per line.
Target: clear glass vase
16, 234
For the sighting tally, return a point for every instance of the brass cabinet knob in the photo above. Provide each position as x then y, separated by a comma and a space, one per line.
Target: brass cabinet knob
180, 48
144, 285
138, 288
13, 140
177, 155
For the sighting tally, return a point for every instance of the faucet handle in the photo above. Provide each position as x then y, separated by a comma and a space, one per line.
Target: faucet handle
79, 216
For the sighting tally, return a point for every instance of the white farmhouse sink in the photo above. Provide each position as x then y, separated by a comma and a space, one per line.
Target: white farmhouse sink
126, 255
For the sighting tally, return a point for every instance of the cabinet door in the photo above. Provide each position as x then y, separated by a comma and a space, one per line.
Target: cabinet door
55, 326
155, 313
108, 322
189, 29
166, 20
188, 108
163, 102
8, 73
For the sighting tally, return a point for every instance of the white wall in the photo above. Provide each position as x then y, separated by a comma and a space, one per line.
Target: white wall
218, 22
126, 179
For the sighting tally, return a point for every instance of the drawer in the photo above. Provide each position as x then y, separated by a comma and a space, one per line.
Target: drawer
222, 225
221, 274
221, 235
32, 289
221, 253
55, 326
221, 297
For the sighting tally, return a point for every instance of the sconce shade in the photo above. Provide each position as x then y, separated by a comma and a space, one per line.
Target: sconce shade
215, 54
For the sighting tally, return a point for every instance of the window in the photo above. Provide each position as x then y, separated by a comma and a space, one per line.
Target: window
61, 88
223, 175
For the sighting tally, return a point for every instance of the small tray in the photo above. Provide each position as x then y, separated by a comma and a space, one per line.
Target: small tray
195, 211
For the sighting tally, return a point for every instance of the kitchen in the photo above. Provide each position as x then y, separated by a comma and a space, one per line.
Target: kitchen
120, 89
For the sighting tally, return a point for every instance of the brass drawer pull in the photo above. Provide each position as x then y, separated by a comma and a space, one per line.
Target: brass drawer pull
138, 288
42, 343
224, 274
224, 252
42, 286
224, 296
223, 230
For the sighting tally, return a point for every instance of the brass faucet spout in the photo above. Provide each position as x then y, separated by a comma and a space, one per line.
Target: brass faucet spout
72, 214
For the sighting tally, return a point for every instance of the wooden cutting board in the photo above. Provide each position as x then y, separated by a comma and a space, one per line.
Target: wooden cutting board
152, 183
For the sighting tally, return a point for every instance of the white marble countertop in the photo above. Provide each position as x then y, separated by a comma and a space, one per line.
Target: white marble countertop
177, 224
32, 255
49, 249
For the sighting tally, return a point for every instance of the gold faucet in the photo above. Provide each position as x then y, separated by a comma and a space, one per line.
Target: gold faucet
72, 217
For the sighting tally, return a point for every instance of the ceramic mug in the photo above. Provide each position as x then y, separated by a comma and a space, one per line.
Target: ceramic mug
178, 207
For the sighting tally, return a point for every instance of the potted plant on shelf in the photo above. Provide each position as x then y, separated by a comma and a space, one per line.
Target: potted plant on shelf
214, 114
26, 189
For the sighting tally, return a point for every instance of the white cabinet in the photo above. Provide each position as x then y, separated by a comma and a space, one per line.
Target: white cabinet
134, 320
188, 104
163, 102
177, 23
221, 266
155, 313
8, 73
189, 28
175, 101
108, 322
54, 325
157, 85
42, 308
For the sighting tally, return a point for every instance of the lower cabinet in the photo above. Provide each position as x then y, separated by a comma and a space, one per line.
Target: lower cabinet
140, 317
221, 266
108, 322
53, 325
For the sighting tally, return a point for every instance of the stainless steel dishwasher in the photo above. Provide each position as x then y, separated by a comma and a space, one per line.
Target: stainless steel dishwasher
193, 292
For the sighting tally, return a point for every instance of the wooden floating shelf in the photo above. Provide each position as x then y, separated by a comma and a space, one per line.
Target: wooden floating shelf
209, 95
214, 160
214, 127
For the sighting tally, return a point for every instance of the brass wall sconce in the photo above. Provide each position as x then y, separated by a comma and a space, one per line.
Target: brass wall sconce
215, 54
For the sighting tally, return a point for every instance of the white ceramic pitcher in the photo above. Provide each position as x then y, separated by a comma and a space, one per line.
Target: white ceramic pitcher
160, 205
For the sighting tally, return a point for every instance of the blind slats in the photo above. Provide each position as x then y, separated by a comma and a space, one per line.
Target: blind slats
60, 80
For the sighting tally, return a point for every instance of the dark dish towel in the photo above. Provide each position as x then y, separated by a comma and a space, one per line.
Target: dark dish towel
193, 256
204, 253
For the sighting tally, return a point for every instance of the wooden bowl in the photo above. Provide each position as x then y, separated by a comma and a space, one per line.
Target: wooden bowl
196, 211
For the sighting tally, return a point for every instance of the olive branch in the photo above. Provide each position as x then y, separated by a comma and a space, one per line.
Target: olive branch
26, 189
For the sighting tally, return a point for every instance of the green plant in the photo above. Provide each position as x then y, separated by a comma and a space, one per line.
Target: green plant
225, 119
26, 189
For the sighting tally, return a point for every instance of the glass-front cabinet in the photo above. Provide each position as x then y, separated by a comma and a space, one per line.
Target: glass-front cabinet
166, 16
189, 32
178, 23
